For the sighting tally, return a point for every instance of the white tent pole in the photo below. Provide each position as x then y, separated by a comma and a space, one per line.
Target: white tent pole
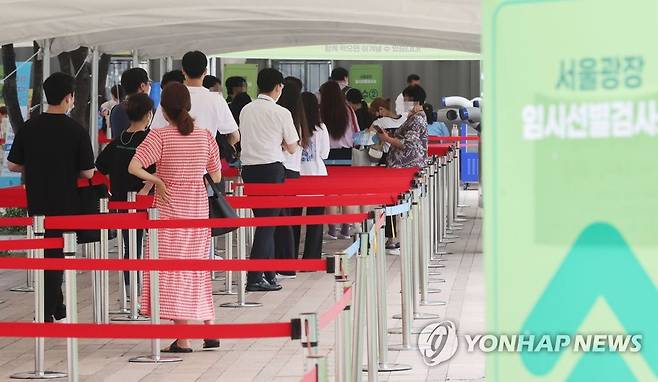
93, 106
170, 63
221, 72
163, 67
45, 71
135, 58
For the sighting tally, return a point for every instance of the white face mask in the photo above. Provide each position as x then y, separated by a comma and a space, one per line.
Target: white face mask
71, 106
409, 106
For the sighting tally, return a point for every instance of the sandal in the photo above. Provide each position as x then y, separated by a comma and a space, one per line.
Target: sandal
210, 344
174, 348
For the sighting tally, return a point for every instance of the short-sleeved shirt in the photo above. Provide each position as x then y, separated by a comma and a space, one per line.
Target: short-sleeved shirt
209, 110
54, 149
114, 161
119, 121
413, 135
264, 127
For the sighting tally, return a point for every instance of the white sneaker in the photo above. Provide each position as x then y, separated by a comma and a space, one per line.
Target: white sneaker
289, 277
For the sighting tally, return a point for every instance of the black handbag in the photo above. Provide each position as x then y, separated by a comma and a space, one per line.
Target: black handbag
218, 207
90, 197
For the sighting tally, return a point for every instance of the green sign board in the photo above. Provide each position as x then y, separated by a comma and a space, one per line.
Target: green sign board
248, 71
569, 144
368, 79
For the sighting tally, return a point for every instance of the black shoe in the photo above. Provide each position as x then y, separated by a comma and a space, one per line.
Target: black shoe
174, 348
60, 312
286, 275
262, 286
210, 344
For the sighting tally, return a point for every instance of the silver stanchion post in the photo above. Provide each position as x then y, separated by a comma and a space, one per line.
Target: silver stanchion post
133, 275
154, 286
242, 275
372, 331
39, 316
29, 279
70, 280
123, 298
359, 297
319, 364
105, 275
425, 245
382, 308
341, 348
310, 332
406, 281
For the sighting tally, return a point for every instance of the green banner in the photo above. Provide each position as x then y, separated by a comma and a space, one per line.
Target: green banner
570, 184
367, 78
248, 71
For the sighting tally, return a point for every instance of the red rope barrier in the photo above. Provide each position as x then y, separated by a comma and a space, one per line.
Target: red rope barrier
330, 315
341, 188
166, 265
25, 244
140, 221
222, 331
15, 222
438, 149
455, 139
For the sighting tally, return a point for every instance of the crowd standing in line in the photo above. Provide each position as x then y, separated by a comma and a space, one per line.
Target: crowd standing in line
166, 149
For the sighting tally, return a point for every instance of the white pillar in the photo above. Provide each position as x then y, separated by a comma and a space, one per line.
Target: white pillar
135, 58
163, 67
170, 63
93, 105
45, 71
221, 71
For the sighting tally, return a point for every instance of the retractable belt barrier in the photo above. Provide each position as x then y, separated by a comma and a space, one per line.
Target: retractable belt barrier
423, 200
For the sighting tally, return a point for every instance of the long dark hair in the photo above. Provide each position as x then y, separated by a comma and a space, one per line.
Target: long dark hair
312, 109
333, 109
176, 104
291, 100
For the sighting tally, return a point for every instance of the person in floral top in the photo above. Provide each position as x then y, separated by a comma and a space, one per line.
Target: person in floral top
409, 142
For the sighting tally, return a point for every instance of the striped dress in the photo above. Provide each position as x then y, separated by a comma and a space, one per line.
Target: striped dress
181, 161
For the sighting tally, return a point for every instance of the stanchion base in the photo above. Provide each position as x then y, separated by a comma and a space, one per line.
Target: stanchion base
241, 305
447, 241
460, 220
389, 367
450, 237
42, 375
418, 316
437, 281
433, 303
130, 319
152, 359
22, 289
436, 266
401, 347
399, 331
120, 311
224, 293
462, 206
432, 290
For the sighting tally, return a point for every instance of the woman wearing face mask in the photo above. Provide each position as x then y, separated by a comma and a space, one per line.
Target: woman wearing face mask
408, 143
114, 160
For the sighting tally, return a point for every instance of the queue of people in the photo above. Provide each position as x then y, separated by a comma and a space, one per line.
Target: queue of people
166, 149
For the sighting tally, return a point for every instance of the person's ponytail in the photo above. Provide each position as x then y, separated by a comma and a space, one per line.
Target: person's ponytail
176, 104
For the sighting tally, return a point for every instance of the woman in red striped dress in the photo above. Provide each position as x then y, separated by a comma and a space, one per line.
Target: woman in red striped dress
182, 153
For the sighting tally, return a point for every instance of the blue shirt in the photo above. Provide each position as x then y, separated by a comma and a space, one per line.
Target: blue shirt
119, 120
437, 129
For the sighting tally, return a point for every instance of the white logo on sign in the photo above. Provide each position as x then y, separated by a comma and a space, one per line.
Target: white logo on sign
438, 342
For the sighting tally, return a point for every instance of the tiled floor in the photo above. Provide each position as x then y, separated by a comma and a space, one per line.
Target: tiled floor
278, 360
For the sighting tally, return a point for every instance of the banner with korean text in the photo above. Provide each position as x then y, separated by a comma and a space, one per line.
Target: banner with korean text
570, 185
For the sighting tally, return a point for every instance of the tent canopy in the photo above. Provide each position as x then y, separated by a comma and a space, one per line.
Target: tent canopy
158, 28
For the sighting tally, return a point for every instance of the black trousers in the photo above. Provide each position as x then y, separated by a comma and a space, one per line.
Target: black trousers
284, 244
126, 250
391, 227
53, 298
263, 246
313, 240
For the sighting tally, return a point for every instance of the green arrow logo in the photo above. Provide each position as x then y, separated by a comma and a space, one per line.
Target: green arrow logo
600, 264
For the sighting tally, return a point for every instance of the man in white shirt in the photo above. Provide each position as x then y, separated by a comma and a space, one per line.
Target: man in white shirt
209, 109
267, 129
412, 80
